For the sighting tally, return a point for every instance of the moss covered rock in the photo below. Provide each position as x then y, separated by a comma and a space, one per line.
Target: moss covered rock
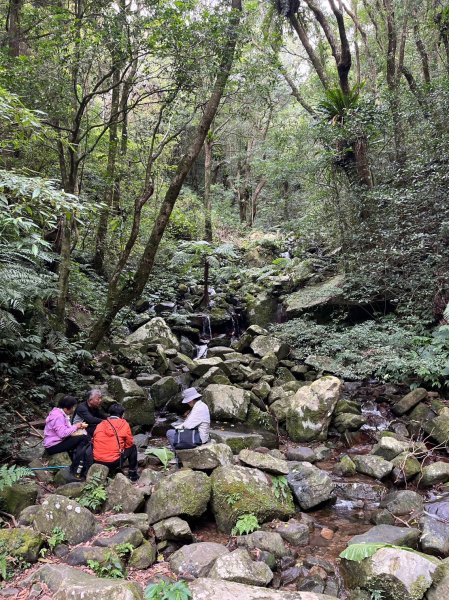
156, 329
311, 409
21, 543
240, 490
16, 497
185, 493
399, 574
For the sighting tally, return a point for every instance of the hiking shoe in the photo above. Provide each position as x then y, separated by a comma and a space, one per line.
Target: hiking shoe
133, 476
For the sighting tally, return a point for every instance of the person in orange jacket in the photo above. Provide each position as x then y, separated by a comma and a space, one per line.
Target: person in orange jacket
113, 442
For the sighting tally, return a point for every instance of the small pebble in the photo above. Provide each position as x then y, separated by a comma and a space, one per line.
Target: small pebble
327, 533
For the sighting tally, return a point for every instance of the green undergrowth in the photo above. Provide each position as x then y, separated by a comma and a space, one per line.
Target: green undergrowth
385, 348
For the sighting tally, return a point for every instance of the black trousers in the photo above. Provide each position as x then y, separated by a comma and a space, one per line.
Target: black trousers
129, 454
68, 444
77, 447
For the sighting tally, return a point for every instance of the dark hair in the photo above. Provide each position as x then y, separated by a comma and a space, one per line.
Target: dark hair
116, 410
67, 402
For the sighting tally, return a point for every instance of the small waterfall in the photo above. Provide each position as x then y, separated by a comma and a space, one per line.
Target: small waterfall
201, 351
235, 326
207, 329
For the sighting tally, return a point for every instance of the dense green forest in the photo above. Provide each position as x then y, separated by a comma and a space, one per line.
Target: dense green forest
147, 145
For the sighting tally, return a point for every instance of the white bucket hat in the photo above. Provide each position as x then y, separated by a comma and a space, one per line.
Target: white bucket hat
190, 394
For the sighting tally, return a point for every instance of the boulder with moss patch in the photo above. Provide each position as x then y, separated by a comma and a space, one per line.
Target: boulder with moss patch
185, 493
21, 542
397, 574
237, 491
311, 409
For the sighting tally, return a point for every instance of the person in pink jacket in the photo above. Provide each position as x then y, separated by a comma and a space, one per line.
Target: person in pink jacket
59, 432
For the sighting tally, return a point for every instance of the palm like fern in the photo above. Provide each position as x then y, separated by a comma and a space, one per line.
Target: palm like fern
336, 104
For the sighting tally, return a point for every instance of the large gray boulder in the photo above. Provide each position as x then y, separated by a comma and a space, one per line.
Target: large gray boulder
435, 535
137, 520
237, 440
144, 556
68, 583
173, 529
409, 401
389, 447
16, 497
402, 502
368, 492
155, 330
312, 296
214, 589
196, 560
77, 523
238, 566
164, 390
374, 466
203, 365
394, 572
437, 472
310, 486
206, 457
237, 491
440, 586
185, 493
122, 492
125, 535
266, 344
121, 387
311, 409
139, 407
268, 541
438, 428
294, 532
226, 402
264, 462
388, 534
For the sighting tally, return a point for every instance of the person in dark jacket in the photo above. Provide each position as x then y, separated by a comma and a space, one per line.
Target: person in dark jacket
90, 412
113, 442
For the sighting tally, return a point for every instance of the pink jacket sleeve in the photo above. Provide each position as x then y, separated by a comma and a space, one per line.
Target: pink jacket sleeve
62, 429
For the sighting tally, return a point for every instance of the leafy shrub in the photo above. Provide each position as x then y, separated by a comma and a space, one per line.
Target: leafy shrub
386, 348
57, 537
245, 524
94, 494
168, 590
280, 485
111, 567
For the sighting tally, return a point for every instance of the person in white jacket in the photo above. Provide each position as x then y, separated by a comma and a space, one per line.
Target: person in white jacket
198, 418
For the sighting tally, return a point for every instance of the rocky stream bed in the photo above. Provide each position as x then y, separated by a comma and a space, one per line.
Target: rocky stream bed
321, 463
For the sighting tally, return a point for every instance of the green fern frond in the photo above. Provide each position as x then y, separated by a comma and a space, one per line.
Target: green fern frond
11, 475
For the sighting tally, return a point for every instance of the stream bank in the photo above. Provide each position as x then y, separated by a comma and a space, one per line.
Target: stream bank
320, 463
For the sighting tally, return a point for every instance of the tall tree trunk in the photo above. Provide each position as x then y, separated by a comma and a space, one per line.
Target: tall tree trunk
118, 297
13, 26
102, 230
208, 147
